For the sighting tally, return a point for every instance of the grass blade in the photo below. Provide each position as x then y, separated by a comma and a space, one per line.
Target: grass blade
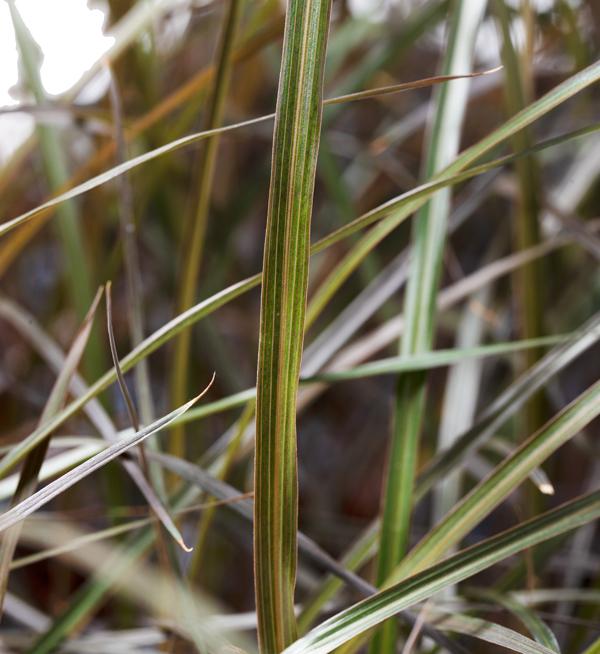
526, 228
195, 85
431, 359
31, 468
594, 648
429, 235
142, 474
190, 139
129, 404
534, 624
37, 532
427, 361
31, 331
131, 262
389, 281
43, 496
490, 632
206, 520
55, 465
370, 612
283, 303
460, 399
193, 243
48, 349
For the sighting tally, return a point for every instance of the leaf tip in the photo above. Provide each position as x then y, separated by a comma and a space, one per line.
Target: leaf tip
206, 388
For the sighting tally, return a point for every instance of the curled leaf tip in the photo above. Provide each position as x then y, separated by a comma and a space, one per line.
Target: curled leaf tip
206, 388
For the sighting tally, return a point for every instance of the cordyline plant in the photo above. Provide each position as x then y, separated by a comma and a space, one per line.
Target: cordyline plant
395, 452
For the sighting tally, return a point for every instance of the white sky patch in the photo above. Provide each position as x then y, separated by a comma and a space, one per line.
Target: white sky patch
71, 38
8, 56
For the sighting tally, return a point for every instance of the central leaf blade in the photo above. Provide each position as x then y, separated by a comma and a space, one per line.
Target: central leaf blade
283, 305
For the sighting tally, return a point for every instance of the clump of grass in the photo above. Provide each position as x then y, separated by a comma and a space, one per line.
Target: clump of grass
314, 523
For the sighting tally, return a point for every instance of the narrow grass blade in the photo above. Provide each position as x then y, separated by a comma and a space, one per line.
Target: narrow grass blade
91, 594
36, 532
423, 191
537, 477
194, 231
399, 208
426, 361
461, 396
58, 464
31, 468
432, 359
54, 466
43, 496
141, 475
388, 281
358, 553
198, 476
146, 586
131, 262
28, 327
210, 134
392, 213
283, 302
195, 85
370, 612
405, 86
429, 235
353, 355
594, 648
533, 623
154, 341
129, 404
526, 228
490, 632
551, 595
421, 20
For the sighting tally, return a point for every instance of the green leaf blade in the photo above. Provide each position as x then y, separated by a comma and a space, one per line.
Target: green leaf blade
372, 611
283, 306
